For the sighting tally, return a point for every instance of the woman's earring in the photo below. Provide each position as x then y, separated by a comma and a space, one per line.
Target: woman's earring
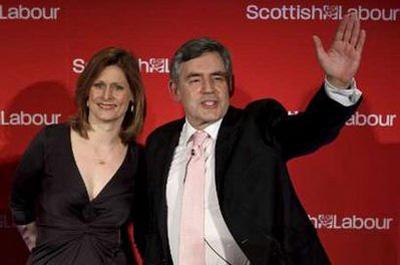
132, 107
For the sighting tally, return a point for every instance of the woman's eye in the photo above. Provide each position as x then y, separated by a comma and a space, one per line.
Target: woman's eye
98, 85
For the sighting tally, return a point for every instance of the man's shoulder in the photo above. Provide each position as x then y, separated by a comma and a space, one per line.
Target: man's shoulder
53, 131
264, 105
266, 110
166, 130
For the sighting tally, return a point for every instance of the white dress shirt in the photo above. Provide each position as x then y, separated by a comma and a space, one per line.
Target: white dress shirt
221, 248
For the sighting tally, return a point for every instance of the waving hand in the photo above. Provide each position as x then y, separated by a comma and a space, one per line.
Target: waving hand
342, 60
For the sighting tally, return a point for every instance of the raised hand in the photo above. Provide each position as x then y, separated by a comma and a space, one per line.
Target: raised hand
342, 60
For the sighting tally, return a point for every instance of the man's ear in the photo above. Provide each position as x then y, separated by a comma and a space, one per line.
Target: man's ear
173, 89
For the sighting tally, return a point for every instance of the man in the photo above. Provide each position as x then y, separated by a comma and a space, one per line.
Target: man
219, 188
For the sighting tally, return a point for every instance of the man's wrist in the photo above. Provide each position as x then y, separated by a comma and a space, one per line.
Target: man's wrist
337, 83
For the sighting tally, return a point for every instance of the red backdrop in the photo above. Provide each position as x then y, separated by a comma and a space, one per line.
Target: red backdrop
350, 188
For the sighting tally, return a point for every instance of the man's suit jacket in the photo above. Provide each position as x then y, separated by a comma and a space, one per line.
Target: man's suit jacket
256, 196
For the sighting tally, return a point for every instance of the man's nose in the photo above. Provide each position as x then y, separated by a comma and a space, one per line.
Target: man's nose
208, 86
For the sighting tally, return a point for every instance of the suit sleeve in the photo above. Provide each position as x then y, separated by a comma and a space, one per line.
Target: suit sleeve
300, 134
140, 204
26, 182
153, 249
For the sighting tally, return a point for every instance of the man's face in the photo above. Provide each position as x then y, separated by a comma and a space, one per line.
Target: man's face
202, 88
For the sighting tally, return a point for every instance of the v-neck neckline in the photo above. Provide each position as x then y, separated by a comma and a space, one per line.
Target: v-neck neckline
79, 174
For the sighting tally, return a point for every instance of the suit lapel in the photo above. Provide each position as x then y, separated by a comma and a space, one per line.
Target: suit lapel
227, 136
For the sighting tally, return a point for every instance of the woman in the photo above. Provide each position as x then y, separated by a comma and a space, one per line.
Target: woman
73, 190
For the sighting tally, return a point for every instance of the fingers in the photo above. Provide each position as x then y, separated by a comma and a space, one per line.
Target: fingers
319, 48
341, 29
349, 28
361, 41
349, 31
358, 36
356, 31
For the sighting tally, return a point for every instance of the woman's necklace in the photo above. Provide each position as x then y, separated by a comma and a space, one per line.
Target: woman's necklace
100, 159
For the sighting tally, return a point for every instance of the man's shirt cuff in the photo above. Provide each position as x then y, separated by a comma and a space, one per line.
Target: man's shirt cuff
346, 97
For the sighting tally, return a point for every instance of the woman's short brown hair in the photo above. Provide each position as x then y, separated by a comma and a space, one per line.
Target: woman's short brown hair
133, 120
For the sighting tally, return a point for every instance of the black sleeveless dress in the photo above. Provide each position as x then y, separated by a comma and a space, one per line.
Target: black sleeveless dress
49, 190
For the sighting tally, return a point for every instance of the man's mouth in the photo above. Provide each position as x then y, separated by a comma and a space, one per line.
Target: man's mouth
209, 103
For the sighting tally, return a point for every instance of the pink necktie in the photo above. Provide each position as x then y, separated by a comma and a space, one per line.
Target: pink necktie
192, 249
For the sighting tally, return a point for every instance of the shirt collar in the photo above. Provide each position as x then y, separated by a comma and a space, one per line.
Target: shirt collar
188, 130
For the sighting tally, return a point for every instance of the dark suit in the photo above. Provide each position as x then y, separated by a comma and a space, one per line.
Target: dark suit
256, 196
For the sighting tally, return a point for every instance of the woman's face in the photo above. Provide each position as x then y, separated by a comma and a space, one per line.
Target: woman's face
109, 96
